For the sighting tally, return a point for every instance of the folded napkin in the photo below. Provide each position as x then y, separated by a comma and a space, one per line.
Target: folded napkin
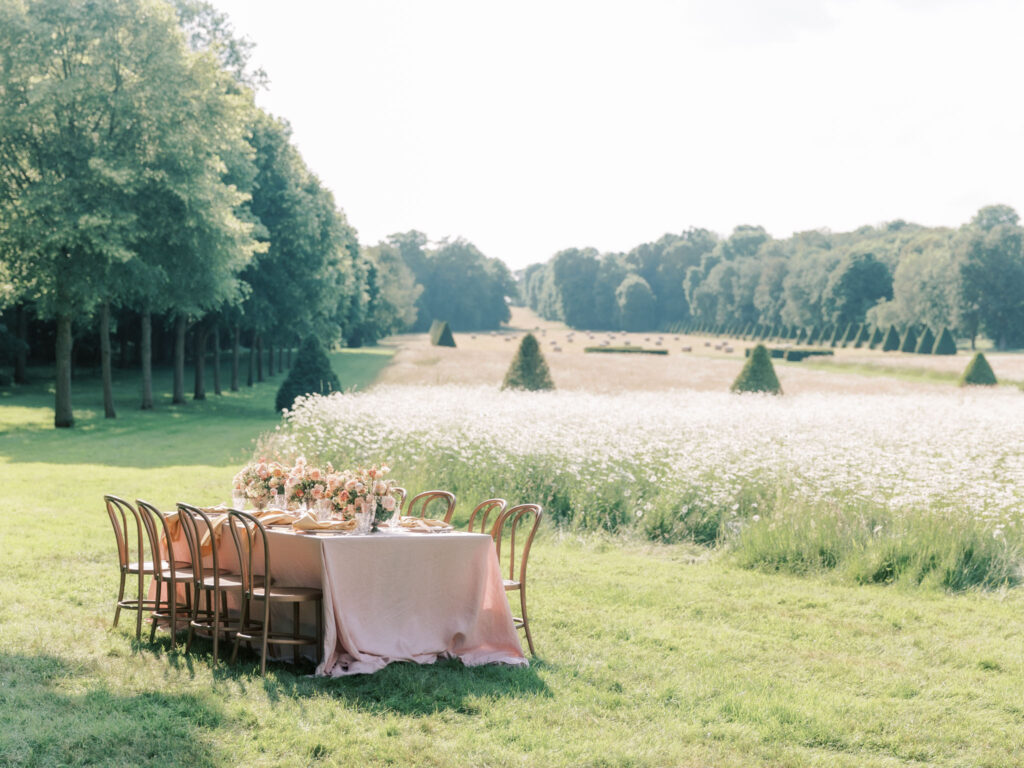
309, 523
270, 518
422, 524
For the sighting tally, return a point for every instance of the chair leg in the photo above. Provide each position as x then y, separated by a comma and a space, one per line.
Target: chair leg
295, 633
138, 613
156, 607
263, 648
174, 613
216, 627
526, 620
120, 599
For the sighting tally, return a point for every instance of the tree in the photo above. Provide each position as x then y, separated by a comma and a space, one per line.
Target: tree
991, 259
99, 100
636, 304
857, 283
528, 369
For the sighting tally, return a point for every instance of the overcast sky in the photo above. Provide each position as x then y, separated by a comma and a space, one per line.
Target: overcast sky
529, 127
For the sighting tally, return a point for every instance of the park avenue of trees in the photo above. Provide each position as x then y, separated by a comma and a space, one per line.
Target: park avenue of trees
970, 280
149, 209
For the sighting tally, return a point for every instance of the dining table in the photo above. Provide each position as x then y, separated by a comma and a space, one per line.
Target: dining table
406, 594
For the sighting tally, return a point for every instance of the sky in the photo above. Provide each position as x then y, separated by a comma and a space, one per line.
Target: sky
530, 127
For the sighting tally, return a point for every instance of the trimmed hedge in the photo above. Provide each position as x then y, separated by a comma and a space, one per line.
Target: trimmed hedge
311, 374
627, 350
909, 341
891, 343
978, 373
926, 343
758, 374
441, 334
945, 344
528, 369
877, 337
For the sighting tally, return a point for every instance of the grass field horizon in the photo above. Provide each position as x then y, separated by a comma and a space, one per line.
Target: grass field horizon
649, 654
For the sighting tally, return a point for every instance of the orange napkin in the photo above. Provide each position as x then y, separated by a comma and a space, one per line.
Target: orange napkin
309, 523
423, 524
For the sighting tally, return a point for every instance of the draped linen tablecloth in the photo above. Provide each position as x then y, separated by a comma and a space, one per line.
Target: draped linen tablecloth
388, 597
402, 597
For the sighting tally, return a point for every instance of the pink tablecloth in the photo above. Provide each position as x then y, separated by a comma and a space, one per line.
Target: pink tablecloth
397, 597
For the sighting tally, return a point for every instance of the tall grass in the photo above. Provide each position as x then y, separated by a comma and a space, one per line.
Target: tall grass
920, 489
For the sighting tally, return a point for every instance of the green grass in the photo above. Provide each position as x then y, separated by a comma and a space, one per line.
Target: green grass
649, 655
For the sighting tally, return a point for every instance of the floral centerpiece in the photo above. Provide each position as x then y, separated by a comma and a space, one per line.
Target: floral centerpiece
367, 489
259, 480
306, 484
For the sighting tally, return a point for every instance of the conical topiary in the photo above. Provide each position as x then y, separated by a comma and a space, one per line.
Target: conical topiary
311, 374
758, 374
528, 369
909, 341
978, 373
441, 334
945, 344
812, 337
863, 336
891, 342
852, 331
877, 337
926, 342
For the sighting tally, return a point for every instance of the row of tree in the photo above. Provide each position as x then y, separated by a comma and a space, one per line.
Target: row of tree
970, 279
145, 198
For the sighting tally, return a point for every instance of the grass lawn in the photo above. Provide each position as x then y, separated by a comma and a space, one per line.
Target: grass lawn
648, 655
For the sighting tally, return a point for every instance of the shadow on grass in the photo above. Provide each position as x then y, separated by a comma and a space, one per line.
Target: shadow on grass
403, 688
42, 725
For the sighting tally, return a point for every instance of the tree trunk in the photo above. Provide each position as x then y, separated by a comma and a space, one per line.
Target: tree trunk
108, 380
180, 326
289, 358
252, 359
202, 337
21, 356
146, 350
235, 354
63, 417
216, 360
259, 357
280, 359
271, 370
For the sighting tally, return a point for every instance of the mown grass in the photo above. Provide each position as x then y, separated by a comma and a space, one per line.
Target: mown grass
649, 655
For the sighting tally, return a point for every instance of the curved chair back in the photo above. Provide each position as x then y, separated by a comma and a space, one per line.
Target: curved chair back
166, 586
419, 503
196, 525
120, 513
479, 517
250, 540
513, 520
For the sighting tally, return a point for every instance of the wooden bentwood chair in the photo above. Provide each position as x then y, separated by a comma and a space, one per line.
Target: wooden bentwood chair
209, 580
419, 504
478, 518
129, 530
250, 539
512, 520
174, 570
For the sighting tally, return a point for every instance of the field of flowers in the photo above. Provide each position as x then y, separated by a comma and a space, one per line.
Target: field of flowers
927, 486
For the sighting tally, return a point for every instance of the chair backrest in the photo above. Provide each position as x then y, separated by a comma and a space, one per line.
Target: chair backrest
512, 521
156, 528
399, 493
250, 540
196, 525
419, 503
128, 529
478, 518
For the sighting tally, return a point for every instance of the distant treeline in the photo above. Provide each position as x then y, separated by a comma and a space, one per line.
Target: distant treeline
970, 280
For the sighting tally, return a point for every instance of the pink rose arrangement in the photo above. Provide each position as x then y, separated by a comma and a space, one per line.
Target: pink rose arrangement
258, 481
366, 489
